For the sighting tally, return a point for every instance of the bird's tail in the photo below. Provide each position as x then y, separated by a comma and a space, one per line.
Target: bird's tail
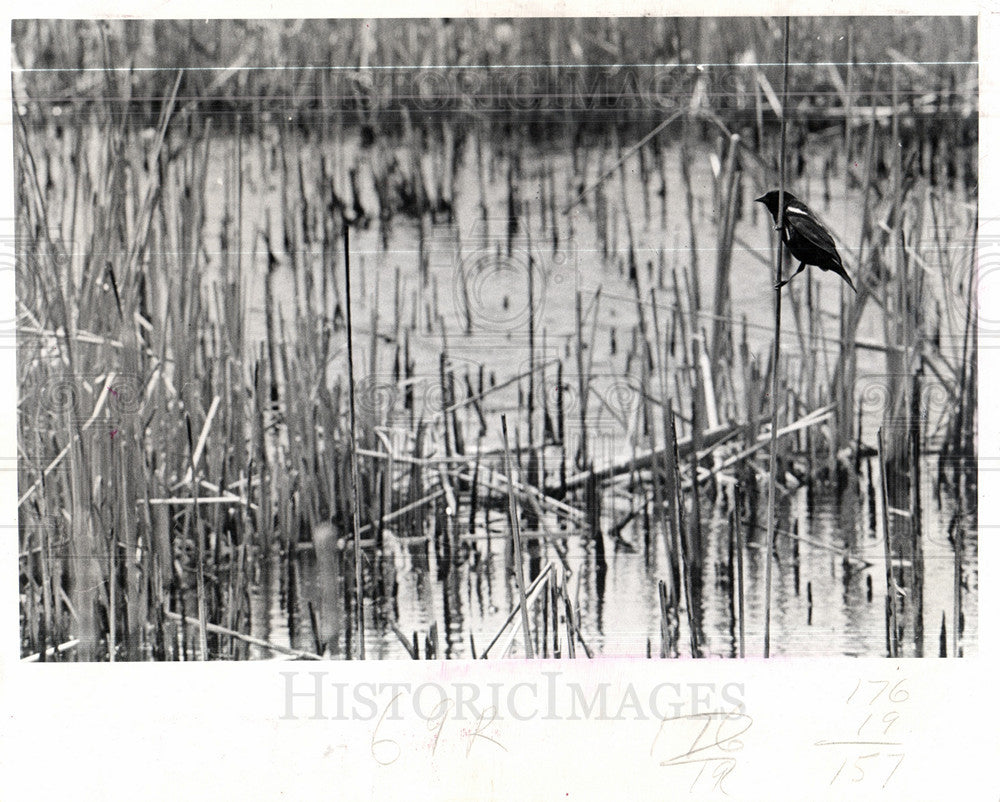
842, 272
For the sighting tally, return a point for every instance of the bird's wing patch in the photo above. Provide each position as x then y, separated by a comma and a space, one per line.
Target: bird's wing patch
802, 223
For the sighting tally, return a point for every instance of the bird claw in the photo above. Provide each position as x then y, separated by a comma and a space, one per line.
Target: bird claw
779, 285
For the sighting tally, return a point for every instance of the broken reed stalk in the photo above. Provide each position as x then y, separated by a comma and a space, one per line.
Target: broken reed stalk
546, 578
355, 499
622, 158
403, 640
216, 629
516, 534
772, 466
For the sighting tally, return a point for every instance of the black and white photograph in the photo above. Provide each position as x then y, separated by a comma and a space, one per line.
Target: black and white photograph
472, 339
541, 401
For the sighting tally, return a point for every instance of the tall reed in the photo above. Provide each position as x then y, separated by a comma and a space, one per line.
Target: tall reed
776, 355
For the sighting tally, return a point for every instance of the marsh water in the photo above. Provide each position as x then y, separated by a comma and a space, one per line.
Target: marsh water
829, 582
823, 603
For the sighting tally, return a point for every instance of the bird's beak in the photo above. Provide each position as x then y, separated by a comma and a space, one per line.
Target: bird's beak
759, 200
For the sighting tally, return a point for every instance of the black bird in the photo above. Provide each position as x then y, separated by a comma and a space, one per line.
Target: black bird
806, 238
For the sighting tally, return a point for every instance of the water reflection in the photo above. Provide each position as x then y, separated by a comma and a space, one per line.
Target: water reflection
828, 595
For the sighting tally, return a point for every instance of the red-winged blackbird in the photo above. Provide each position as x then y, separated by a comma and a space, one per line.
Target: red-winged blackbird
806, 238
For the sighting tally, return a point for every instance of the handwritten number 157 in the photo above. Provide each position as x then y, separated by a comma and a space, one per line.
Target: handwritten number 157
859, 772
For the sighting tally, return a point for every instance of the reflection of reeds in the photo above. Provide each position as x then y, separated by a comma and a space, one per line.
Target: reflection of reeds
739, 574
515, 529
891, 618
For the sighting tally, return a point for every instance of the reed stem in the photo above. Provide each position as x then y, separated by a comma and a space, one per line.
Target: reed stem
515, 529
355, 500
775, 362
